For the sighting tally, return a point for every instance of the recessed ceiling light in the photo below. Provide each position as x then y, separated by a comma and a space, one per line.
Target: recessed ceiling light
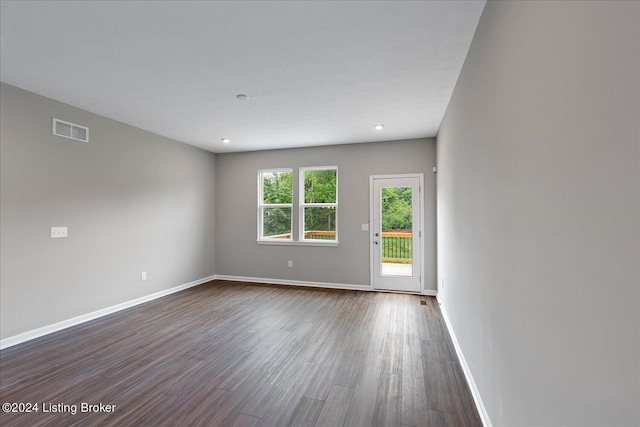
378, 127
242, 97
225, 140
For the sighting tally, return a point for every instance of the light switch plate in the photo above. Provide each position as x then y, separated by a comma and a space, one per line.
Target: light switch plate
58, 232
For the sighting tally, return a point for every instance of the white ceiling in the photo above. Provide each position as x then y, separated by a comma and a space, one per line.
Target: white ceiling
317, 73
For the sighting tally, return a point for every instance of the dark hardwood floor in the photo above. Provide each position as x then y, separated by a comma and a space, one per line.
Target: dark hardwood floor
238, 354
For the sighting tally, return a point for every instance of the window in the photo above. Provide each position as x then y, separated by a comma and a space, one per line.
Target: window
316, 201
275, 204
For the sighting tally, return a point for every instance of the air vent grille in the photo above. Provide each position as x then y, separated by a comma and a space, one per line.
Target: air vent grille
70, 130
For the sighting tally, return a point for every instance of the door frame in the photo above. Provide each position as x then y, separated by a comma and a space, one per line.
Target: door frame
372, 207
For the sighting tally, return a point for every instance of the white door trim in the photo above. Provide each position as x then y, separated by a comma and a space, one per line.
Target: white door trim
372, 207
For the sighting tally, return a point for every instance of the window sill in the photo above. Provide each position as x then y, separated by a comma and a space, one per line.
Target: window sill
297, 243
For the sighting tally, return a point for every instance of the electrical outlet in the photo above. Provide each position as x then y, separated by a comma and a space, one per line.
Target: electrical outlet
289, 263
58, 232
143, 275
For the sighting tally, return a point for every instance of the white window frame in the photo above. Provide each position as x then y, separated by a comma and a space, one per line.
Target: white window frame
297, 233
302, 205
262, 206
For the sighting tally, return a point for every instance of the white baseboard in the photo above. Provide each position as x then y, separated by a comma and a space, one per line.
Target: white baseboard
35, 333
294, 283
348, 287
484, 416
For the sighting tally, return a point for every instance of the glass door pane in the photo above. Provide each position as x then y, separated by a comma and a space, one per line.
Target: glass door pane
396, 243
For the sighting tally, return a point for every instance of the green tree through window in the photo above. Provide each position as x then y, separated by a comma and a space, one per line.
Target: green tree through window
317, 205
276, 204
396, 205
320, 186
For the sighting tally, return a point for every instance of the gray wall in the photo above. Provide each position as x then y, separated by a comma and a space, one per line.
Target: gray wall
238, 254
133, 202
539, 216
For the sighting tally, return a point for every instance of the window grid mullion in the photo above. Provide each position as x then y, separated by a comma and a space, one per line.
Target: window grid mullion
319, 205
271, 205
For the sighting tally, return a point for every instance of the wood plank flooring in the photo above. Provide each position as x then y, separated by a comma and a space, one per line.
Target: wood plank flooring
238, 354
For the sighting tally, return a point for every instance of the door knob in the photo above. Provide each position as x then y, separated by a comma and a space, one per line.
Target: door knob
377, 234
376, 242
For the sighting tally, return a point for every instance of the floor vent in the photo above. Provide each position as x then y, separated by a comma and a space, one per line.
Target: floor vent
423, 302
70, 130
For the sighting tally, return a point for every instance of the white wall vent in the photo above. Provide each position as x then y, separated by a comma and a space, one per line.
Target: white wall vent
70, 130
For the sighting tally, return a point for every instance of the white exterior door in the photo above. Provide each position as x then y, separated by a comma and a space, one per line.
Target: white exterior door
396, 232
